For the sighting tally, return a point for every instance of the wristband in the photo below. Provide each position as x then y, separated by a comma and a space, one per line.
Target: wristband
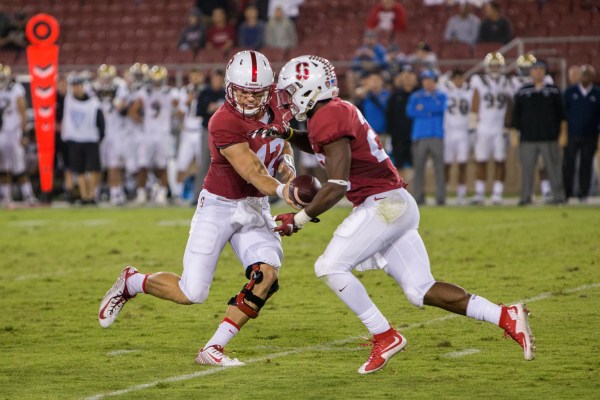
288, 160
338, 182
301, 218
279, 190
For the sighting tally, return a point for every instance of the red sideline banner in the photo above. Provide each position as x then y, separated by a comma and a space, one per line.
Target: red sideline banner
42, 55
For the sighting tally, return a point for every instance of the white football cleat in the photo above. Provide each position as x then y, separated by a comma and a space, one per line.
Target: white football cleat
515, 322
214, 355
385, 346
115, 298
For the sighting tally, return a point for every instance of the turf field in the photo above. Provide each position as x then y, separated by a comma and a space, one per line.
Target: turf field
56, 264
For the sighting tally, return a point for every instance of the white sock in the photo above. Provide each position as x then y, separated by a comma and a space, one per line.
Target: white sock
479, 188
483, 310
178, 190
5, 192
349, 289
375, 321
545, 187
498, 188
225, 332
136, 282
115, 193
27, 191
461, 191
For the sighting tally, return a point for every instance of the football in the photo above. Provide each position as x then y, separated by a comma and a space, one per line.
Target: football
303, 189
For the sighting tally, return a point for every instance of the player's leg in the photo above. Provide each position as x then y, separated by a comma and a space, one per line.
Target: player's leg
482, 154
161, 155
462, 157
499, 168
362, 234
143, 155
259, 250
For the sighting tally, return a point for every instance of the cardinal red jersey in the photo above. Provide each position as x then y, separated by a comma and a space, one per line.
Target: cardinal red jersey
371, 170
228, 127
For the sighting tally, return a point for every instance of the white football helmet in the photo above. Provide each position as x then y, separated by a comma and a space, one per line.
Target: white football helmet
304, 81
493, 64
249, 71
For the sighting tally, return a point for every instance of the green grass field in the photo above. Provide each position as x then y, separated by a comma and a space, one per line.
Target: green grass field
56, 264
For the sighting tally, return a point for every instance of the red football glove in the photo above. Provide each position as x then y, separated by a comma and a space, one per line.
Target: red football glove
288, 225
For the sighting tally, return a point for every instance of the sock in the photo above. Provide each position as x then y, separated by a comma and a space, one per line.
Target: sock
479, 188
115, 193
375, 321
178, 190
225, 332
498, 188
5, 192
349, 289
136, 283
545, 187
461, 191
483, 310
27, 191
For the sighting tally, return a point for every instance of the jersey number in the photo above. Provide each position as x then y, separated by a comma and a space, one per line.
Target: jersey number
374, 143
498, 101
458, 106
267, 149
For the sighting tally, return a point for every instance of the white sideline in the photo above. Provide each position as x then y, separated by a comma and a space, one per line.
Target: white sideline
325, 346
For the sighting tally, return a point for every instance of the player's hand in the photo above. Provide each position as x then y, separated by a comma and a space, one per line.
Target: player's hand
288, 225
273, 131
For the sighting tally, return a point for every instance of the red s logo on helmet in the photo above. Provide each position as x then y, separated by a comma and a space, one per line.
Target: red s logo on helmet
302, 71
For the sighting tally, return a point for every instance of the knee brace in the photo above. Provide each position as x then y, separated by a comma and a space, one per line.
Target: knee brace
255, 275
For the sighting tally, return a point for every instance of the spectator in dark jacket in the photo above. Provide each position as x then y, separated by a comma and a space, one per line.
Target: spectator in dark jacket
192, 35
495, 27
583, 116
251, 32
539, 115
398, 123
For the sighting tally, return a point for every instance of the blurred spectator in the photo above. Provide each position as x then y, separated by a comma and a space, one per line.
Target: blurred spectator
583, 116
463, 27
426, 107
398, 123
539, 115
374, 98
281, 31
220, 35
192, 35
574, 75
252, 31
207, 7
387, 16
12, 30
371, 55
494, 27
290, 8
82, 130
423, 58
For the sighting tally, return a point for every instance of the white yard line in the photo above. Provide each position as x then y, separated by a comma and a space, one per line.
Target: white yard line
462, 353
117, 353
324, 346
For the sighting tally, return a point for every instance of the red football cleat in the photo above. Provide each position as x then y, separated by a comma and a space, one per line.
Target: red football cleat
385, 346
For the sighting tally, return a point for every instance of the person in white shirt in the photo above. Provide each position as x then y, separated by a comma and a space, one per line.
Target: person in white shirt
82, 130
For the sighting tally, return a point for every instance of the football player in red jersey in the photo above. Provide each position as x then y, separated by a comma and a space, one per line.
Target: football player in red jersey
232, 207
381, 231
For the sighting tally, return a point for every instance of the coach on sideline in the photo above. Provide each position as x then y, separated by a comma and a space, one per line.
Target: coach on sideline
539, 115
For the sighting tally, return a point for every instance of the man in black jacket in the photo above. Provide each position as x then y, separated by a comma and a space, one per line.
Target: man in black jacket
539, 115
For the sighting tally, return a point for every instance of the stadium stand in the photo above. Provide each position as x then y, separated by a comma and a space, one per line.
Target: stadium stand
96, 31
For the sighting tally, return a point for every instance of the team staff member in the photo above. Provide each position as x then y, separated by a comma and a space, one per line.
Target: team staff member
583, 113
381, 231
82, 130
540, 117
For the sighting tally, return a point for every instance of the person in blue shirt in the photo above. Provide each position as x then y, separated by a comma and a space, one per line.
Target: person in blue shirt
373, 102
583, 117
426, 108
251, 32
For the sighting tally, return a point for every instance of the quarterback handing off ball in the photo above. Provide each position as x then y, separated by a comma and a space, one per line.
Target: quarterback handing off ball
303, 190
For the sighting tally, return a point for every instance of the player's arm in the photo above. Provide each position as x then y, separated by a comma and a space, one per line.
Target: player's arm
22, 109
338, 157
247, 164
134, 111
286, 132
475, 102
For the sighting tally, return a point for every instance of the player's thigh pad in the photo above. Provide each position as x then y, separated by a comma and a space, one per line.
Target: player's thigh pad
369, 228
208, 235
255, 241
408, 264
